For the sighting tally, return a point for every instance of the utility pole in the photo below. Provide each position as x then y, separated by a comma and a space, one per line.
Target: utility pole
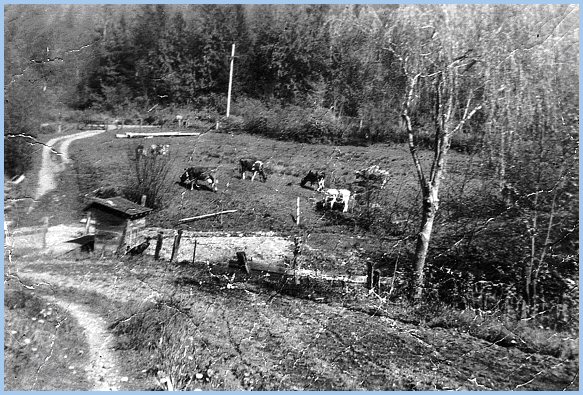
230, 81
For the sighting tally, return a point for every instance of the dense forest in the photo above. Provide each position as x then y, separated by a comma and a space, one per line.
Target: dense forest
497, 82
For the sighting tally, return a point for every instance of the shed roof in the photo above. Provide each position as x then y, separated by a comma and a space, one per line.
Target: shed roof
119, 206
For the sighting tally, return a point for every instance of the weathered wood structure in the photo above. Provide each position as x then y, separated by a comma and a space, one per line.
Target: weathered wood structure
117, 223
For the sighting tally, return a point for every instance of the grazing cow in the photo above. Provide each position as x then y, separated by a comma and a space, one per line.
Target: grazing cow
159, 149
314, 177
254, 166
193, 175
337, 196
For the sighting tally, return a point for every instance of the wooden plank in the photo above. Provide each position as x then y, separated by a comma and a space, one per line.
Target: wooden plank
130, 135
205, 216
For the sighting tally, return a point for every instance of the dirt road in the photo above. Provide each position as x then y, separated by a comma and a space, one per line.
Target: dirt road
57, 148
102, 368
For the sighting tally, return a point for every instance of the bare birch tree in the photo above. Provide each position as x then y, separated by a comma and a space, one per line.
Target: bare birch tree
436, 63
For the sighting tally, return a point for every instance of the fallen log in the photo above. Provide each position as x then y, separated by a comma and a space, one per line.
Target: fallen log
205, 216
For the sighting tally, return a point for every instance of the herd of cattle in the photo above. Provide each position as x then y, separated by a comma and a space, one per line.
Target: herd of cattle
195, 177
198, 176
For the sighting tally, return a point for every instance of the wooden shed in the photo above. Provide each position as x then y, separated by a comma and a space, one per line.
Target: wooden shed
116, 223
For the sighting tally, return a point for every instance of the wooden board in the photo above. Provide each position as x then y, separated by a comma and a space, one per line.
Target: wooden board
130, 135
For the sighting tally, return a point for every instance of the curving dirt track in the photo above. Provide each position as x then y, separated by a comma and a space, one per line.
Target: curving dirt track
50, 168
102, 368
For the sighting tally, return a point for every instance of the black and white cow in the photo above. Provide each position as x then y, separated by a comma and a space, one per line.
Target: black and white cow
314, 177
193, 175
252, 165
337, 196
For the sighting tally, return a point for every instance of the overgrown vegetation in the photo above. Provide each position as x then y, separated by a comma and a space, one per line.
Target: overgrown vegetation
150, 177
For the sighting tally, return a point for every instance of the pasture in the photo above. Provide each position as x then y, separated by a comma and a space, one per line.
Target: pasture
333, 238
107, 161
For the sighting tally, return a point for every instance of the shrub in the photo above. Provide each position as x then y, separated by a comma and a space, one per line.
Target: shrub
151, 175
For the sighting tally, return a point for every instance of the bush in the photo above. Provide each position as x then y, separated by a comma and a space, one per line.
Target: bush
151, 175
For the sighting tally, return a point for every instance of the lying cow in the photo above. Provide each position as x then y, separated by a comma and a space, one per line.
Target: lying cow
193, 175
314, 177
252, 165
337, 196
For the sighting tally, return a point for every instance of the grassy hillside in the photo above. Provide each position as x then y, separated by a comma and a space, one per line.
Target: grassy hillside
107, 161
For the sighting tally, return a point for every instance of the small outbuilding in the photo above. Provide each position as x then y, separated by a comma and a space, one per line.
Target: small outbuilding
116, 222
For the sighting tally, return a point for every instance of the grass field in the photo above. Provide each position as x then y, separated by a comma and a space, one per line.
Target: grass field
107, 161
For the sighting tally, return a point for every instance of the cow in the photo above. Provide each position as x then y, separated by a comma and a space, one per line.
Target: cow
337, 196
140, 151
254, 166
193, 175
314, 177
159, 149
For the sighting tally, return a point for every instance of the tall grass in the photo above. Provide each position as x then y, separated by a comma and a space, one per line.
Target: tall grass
150, 177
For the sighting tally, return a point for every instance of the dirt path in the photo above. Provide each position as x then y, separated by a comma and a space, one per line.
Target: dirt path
102, 368
49, 167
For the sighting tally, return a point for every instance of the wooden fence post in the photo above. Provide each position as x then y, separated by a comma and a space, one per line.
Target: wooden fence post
242, 261
376, 280
298, 212
176, 246
158, 246
194, 252
369, 274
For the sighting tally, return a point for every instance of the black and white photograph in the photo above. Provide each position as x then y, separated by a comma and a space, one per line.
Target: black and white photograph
291, 197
